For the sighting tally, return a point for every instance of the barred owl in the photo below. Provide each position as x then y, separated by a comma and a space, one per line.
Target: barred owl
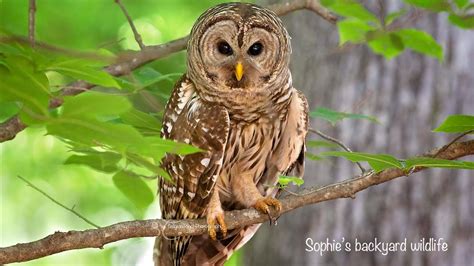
236, 103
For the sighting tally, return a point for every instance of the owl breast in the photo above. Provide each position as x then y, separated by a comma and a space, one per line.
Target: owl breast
250, 145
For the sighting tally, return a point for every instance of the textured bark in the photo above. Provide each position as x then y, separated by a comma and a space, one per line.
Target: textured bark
410, 95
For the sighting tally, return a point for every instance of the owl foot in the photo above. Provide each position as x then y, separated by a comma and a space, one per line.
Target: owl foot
262, 205
211, 225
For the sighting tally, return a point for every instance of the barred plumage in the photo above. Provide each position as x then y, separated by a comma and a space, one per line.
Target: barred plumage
240, 108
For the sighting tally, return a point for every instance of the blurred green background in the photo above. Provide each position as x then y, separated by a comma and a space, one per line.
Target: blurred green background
86, 25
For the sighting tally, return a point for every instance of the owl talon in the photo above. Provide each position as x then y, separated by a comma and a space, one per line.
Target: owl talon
262, 205
211, 225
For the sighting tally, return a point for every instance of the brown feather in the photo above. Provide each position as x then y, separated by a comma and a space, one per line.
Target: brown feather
250, 130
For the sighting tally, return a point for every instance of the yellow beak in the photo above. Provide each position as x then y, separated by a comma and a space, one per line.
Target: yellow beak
239, 71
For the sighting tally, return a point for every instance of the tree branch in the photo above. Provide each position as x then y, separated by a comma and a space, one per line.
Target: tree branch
31, 22
129, 61
137, 36
97, 238
311, 5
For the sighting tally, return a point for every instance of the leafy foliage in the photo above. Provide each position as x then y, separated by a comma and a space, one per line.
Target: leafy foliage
438, 163
456, 124
103, 128
459, 10
359, 26
420, 42
378, 162
102, 161
81, 69
134, 188
433, 5
285, 181
320, 143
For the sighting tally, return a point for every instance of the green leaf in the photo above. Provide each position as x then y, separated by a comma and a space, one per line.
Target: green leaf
101, 161
461, 3
134, 188
91, 132
171, 146
391, 17
351, 9
321, 143
389, 45
313, 157
80, 69
148, 76
462, 21
378, 162
143, 162
7, 110
22, 83
13, 49
333, 116
352, 30
142, 121
19, 66
284, 181
456, 124
156, 147
433, 5
438, 163
92, 104
421, 42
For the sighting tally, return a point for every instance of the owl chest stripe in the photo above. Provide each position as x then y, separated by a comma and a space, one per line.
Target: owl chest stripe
247, 150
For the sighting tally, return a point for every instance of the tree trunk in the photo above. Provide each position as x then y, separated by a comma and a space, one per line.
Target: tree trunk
409, 95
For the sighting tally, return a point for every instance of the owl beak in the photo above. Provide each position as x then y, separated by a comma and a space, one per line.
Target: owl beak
239, 71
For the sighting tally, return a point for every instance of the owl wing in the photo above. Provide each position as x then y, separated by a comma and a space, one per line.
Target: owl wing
288, 156
204, 125
296, 129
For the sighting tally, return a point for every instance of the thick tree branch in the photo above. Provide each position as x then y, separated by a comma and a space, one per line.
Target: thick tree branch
129, 61
97, 238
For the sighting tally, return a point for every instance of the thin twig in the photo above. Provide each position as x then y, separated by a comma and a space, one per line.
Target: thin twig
336, 141
31, 22
138, 38
382, 12
312, 5
58, 203
56, 49
289, 192
452, 141
97, 238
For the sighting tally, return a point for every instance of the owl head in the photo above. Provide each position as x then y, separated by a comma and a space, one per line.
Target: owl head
238, 51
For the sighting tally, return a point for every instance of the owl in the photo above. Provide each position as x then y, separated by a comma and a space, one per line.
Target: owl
237, 104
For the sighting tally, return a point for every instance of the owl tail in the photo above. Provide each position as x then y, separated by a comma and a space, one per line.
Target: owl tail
204, 251
170, 252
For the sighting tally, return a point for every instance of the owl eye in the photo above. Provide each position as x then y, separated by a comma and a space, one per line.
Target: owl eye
224, 48
255, 49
